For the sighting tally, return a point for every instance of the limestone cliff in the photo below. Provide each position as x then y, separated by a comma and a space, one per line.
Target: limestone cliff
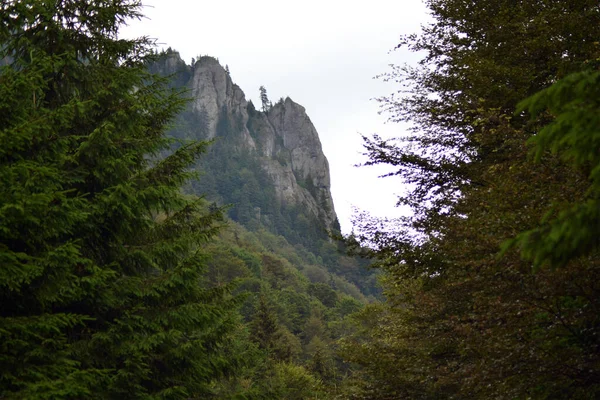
283, 140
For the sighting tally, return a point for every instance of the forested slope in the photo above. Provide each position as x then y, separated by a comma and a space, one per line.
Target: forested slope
293, 312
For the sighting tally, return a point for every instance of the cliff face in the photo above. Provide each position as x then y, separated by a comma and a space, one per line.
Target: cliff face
283, 140
214, 93
291, 151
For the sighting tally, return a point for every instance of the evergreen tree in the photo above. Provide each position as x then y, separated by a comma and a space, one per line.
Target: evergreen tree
101, 280
264, 326
266, 103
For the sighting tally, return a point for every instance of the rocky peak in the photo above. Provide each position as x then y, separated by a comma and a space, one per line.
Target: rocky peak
299, 136
174, 63
283, 140
301, 144
214, 93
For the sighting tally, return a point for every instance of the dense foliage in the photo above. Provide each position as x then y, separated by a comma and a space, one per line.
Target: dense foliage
464, 319
293, 314
572, 134
101, 279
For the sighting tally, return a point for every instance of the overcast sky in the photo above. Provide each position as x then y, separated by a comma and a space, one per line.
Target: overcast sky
323, 54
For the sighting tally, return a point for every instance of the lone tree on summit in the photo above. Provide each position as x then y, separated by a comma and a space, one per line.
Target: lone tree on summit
266, 103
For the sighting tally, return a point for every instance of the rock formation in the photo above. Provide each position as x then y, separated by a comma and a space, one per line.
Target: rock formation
283, 139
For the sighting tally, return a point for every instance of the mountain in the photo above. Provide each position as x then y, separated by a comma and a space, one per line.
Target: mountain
269, 165
297, 286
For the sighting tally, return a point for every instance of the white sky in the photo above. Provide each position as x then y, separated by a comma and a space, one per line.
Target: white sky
323, 54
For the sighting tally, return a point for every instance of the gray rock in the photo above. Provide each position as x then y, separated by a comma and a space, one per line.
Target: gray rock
284, 139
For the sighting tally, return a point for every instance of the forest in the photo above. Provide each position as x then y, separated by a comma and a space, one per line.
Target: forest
133, 265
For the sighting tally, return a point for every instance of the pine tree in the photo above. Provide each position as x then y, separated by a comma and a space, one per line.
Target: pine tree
264, 99
101, 290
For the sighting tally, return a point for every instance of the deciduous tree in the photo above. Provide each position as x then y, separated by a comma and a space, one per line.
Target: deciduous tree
460, 321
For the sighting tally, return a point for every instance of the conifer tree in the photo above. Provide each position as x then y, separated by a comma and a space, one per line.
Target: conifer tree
264, 99
264, 326
100, 254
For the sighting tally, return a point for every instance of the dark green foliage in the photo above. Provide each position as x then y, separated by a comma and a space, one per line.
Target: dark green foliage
286, 329
473, 72
264, 326
462, 321
574, 134
295, 308
324, 293
101, 280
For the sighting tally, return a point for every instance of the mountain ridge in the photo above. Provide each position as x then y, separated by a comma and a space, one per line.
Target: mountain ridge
282, 140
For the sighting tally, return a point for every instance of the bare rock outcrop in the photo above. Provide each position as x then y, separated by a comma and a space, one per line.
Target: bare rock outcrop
283, 139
